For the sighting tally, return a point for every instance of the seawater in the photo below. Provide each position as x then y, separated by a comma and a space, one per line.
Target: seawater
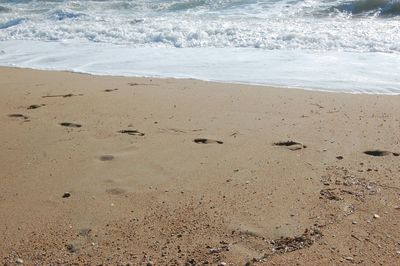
336, 45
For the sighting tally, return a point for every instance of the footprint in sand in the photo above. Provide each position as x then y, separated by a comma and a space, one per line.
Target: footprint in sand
110, 90
18, 116
61, 95
105, 158
207, 141
131, 132
115, 191
85, 232
67, 124
291, 145
379, 153
35, 106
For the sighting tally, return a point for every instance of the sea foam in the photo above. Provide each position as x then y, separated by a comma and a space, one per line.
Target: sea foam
266, 39
330, 71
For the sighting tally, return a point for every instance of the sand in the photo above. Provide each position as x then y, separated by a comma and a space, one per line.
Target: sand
142, 171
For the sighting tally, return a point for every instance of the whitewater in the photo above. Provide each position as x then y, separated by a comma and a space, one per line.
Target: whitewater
335, 45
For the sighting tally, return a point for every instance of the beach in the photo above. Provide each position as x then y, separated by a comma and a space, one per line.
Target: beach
104, 170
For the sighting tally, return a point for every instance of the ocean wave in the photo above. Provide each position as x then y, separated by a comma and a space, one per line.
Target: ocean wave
320, 25
4, 9
186, 5
11, 23
62, 14
383, 8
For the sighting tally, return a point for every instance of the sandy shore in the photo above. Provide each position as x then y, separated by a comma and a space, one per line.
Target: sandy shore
138, 171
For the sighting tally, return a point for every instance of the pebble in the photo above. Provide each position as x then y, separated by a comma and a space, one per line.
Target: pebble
71, 248
398, 252
66, 195
150, 263
214, 250
222, 264
376, 216
19, 261
349, 258
354, 222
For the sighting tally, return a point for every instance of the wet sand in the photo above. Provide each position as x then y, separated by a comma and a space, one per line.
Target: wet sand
139, 171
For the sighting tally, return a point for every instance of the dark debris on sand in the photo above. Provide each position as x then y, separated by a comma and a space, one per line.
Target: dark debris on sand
289, 244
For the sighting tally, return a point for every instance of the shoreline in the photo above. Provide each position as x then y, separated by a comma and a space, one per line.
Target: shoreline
134, 171
326, 70
249, 84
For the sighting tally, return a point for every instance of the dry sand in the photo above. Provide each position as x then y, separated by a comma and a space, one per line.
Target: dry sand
142, 191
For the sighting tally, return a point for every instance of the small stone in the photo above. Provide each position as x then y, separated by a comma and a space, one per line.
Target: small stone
66, 195
247, 182
150, 263
214, 250
71, 248
354, 222
222, 264
19, 261
349, 258
376, 216
339, 157
398, 252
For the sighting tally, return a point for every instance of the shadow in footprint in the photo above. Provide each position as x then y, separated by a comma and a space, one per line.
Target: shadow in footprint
377, 153
207, 141
35, 106
67, 124
105, 158
131, 132
110, 90
18, 116
290, 144
61, 95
